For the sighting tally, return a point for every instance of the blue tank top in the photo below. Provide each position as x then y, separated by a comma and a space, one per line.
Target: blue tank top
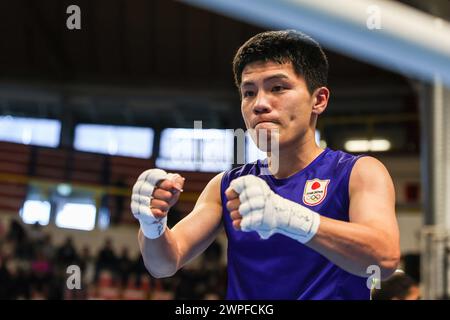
283, 268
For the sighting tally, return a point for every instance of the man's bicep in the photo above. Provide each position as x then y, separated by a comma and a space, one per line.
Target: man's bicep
372, 196
199, 228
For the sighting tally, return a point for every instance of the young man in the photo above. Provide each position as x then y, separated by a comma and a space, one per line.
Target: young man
309, 227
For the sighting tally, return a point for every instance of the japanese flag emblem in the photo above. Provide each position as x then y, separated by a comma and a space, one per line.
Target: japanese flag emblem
315, 191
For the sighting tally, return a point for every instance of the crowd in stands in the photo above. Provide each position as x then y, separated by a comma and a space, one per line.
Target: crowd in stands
33, 267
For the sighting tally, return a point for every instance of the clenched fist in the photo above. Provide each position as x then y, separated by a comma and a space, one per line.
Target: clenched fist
154, 193
253, 206
247, 202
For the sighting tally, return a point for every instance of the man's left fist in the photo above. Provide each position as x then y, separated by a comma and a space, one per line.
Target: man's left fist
254, 206
250, 206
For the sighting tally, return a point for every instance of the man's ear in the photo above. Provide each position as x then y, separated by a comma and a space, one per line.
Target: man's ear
320, 98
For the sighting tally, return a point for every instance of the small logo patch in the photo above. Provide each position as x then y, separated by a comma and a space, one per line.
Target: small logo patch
315, 191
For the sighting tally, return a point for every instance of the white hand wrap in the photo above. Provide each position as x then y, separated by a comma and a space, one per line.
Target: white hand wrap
267, 213
151, 226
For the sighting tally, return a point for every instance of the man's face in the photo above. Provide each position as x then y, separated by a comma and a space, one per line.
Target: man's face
276, 99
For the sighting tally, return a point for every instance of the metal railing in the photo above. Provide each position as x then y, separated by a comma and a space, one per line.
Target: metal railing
434, 268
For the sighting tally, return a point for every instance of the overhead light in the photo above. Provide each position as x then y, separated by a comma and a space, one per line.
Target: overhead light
364, 145
357, 145
64, 189
380, 145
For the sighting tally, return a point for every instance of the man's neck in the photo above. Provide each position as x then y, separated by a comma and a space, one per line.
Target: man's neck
292, 159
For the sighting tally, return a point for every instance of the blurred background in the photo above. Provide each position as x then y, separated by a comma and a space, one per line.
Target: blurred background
84, 111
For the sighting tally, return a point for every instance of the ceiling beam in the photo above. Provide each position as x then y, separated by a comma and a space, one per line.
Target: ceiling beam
409, 41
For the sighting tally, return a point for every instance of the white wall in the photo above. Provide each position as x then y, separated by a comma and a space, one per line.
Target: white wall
403, 170
410, 224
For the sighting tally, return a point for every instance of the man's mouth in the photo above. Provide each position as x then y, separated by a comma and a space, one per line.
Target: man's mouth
266, 125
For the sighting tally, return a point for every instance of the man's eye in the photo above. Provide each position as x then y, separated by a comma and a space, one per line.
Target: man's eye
277, 88
248, 94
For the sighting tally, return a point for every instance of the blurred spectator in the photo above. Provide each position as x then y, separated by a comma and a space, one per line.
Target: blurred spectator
24, 250
124, 266
57, 284
106, 259
397, 287
87, 265
41, 275
5, 280
16, 231
67, 254
2, 231
192, 284
39, 291
36, 235
40, 265
22, 280
212, 256
139, 267
48, 248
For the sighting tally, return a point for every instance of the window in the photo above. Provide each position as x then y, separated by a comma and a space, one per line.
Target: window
114, 140
64, 205
33, 131
36, 211
74, 215
208, 150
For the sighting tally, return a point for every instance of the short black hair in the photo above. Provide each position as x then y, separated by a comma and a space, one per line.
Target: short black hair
305, 54
397, 286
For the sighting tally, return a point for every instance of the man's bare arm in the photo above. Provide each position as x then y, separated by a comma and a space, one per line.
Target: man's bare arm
371, 237
165, 255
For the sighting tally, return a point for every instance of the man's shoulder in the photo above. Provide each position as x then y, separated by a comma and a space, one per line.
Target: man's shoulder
242, 170
369, 166
370, 172
340, 160
343, 156
357, 162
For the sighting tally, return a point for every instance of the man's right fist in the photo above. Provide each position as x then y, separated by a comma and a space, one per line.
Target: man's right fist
154, 193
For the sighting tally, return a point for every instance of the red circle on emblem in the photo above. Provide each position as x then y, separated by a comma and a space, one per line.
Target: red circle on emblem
315, 185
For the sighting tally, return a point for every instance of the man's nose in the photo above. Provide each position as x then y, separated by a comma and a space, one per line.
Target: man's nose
261, 104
